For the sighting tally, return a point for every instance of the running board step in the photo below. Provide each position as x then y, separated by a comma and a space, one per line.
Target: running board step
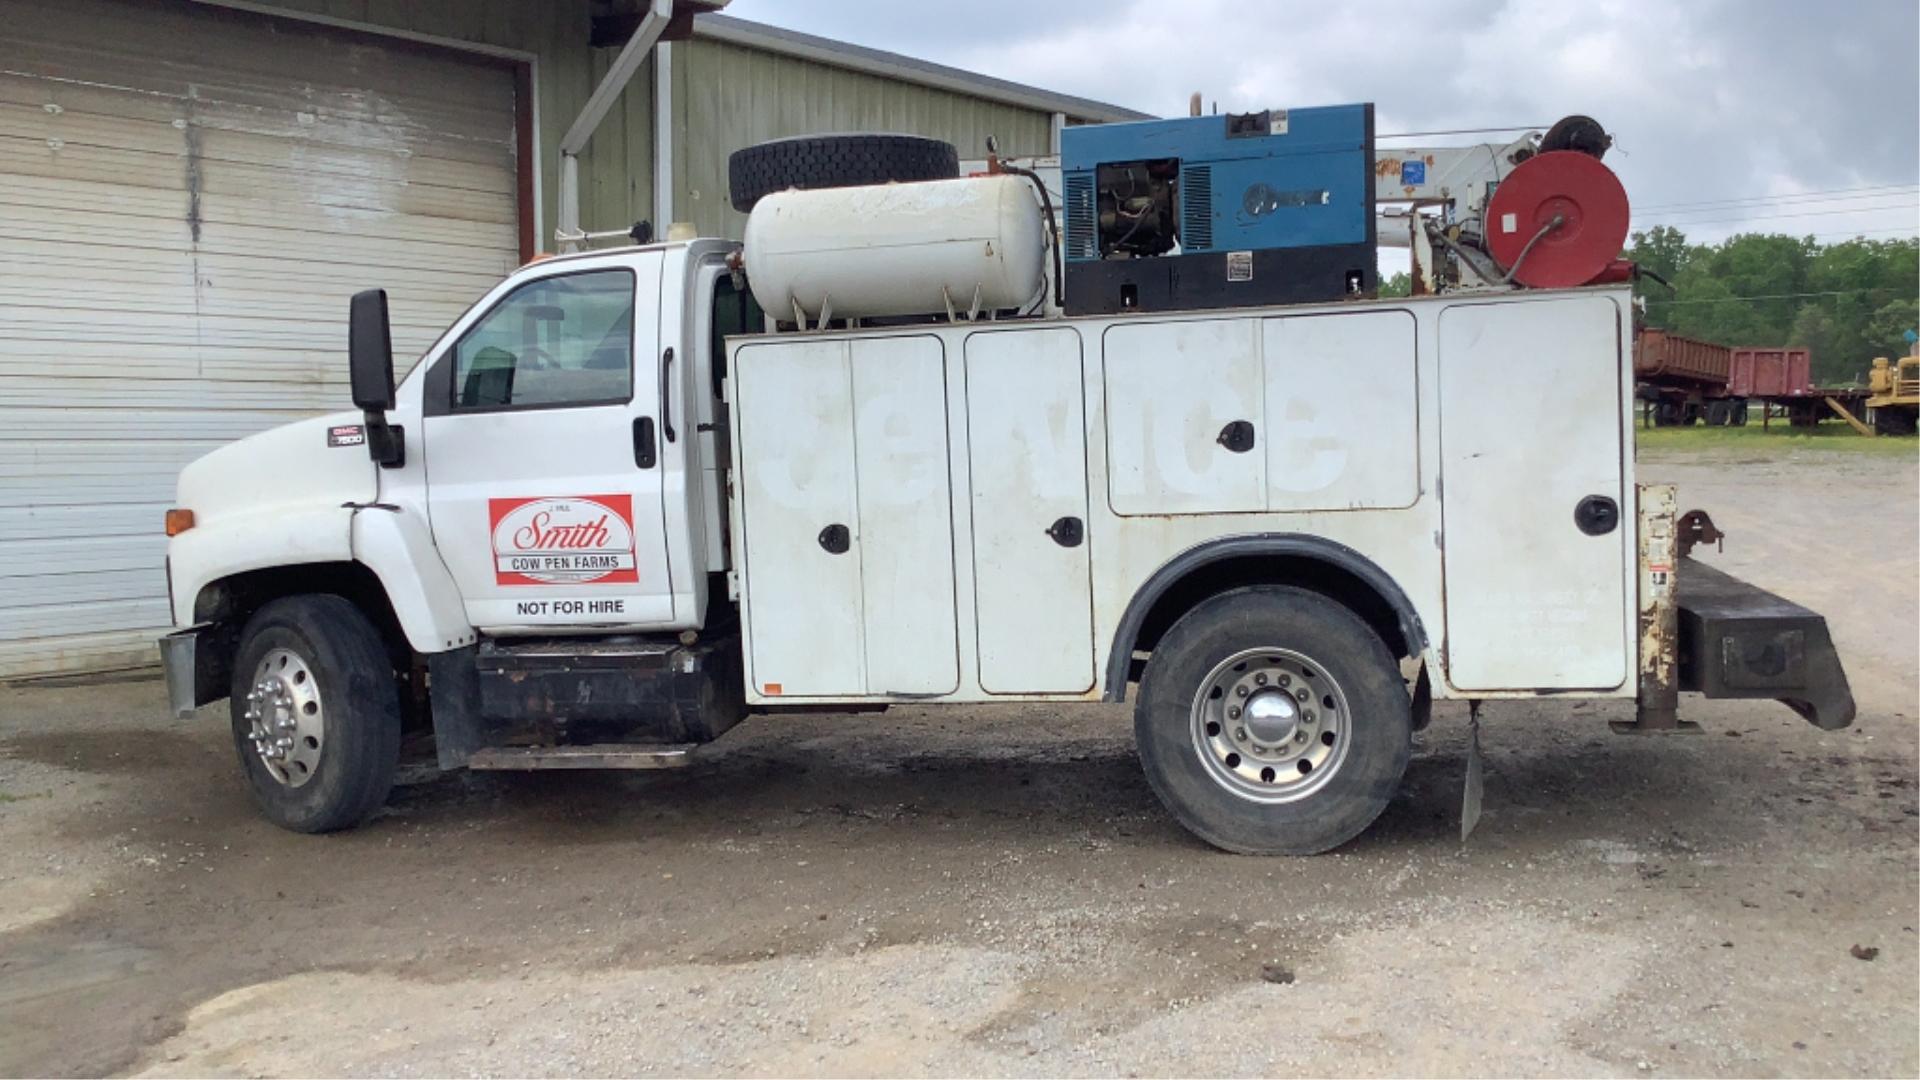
591, 756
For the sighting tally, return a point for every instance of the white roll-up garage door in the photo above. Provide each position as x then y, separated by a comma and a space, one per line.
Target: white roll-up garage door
188, 197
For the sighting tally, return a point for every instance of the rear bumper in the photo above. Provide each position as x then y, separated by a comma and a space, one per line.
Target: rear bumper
199, 667
1741, 641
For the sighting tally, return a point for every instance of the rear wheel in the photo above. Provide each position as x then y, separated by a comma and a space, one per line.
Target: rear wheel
834, 161
316, 713
1272, 720
1889, 420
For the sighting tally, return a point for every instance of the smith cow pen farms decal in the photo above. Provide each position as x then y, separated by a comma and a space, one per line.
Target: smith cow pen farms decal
575, 540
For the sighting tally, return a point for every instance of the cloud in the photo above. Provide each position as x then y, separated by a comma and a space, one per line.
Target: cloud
1708, 100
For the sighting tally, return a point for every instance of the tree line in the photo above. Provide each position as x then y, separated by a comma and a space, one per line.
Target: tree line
1846, 302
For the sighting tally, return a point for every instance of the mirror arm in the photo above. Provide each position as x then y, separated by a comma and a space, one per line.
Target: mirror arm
386, 443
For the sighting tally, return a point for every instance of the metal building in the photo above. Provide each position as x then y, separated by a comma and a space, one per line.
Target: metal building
191, 189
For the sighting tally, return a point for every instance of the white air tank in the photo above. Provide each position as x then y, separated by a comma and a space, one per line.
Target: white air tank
898, 249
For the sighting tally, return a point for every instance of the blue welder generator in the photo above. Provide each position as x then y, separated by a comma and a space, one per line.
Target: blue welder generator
1234, 210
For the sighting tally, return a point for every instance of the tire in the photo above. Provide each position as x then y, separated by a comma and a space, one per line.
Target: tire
832, 161
1891, 420
317, 663
1719, 414
1357, 753
1740, 412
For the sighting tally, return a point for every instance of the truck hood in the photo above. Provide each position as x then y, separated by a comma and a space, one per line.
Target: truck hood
307, 464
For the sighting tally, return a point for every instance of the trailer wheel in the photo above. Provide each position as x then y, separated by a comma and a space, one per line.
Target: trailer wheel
1739, 412
832, 161
316, 713
1273, 721
1719, 414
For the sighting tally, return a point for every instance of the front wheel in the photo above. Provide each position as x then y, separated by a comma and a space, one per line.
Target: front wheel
316, 713
1273, 721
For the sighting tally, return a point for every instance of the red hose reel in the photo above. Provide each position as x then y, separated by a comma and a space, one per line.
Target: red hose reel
1558, 220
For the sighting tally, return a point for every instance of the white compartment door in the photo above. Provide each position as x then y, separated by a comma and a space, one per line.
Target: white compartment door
1172, 391
794, 413
905, 539
1530, 406
1026, 446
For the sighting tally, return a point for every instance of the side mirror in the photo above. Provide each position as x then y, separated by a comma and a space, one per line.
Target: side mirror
370, 351
370, 366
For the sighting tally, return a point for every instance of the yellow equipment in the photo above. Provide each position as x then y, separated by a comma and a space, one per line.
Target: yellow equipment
1894, 387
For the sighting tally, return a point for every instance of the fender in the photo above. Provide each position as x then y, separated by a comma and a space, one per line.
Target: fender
1292, 545
260, 540
395, 543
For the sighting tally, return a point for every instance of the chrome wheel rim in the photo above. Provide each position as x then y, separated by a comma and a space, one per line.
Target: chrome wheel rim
285, 717
1270, 725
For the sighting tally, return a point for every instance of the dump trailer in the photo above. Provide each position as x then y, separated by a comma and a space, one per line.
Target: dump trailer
1679, 377
896, 448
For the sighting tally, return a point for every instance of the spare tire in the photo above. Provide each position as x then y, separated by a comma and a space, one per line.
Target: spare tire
832, 161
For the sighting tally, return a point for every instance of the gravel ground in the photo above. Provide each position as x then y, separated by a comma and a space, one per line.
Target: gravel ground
996, 892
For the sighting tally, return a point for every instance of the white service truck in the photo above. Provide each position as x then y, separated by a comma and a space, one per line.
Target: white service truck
634, 495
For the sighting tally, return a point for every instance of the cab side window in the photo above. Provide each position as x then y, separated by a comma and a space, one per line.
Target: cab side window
565, 340
735, 312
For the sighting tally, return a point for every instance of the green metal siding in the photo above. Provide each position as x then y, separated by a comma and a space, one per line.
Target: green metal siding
727, 96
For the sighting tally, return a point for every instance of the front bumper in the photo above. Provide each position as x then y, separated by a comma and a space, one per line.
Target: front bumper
1741, 641
199, 667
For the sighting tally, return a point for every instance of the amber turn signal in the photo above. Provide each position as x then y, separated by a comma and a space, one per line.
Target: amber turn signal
179, 521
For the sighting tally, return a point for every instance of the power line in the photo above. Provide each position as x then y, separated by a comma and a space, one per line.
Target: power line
1834, 195
1464, 131
1910, 230
1793, 214
1772, 296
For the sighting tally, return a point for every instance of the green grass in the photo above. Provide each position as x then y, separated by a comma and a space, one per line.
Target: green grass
1782, 438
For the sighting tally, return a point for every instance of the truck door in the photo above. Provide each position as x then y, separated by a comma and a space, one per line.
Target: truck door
1538, 526
545, 451
1027, 454
846, 523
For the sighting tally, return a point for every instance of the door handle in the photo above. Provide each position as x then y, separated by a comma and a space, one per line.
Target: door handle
1237, 436
643, 449
666, 402
836, 539
1596, 515
1067, 532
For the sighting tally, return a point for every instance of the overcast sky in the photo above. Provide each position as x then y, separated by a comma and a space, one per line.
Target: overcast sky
1727, 115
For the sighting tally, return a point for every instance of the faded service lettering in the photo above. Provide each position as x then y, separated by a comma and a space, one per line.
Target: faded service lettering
572, 540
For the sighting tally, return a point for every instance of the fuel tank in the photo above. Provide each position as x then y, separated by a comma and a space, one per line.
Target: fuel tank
898, 249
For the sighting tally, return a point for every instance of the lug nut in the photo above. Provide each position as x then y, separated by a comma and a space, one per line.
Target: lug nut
1305, 717
1233, 712
1286, 679
1260, 679
1240, 691
1302, 694
1240, 733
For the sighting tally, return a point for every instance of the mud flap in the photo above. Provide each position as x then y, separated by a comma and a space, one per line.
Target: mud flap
1471, 795
1740, 641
